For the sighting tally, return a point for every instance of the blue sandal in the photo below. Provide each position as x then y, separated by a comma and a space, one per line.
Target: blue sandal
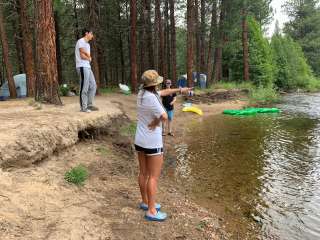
159, 217
145, 207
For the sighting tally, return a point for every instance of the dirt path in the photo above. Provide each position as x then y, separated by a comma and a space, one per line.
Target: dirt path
37, 203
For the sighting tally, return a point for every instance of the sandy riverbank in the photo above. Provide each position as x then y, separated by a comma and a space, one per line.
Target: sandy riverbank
37, 203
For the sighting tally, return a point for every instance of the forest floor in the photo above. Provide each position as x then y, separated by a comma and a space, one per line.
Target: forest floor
38, 144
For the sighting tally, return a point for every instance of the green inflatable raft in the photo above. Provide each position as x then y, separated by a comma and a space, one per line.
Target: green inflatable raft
251, 111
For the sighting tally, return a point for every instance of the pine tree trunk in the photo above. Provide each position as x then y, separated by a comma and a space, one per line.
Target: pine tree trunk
213, 28
76, 22
197, 37
122, 64
128, 40
156, 38
18, 39
246, 76
173, 55
1, 76
19, 52
58, 48
102, 64
162, 70
190, 37
18, 44
167, 40
142, 56
162, 50
95, 63
94, 26
27, 48
218, 64
5, 53
47, 73
133, 44
142, 39
149, 42
220, 42
203, 37
123, 73
117, 69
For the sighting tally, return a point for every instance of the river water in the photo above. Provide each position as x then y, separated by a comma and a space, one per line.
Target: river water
261, 170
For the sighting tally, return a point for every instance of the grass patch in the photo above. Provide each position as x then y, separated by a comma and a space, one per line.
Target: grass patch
225, 85
102, 150
199, 90
129, 129
77, 175
108, 90
233, 85
263, 96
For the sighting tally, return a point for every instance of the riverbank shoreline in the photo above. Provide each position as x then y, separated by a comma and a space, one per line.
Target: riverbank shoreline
43, 206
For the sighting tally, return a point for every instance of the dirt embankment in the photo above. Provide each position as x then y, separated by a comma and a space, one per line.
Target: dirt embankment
29, 134
37, 203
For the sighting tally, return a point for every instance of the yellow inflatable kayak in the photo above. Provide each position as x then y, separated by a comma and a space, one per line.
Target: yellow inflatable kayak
193, 109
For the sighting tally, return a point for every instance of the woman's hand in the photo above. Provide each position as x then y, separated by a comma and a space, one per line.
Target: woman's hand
155, 123
173, 101
185, 90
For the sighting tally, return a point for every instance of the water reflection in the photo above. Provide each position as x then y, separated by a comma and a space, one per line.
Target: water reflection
264, 168
287, 177
183, 169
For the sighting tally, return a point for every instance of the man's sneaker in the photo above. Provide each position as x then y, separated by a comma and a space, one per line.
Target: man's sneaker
93, 108
86, 110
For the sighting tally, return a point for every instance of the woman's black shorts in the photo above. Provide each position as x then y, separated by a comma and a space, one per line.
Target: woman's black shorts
149, 151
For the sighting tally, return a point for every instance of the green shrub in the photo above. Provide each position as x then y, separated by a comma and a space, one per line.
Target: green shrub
291, 68
260, 56
313, 85
77, 175
261, 67
263, 95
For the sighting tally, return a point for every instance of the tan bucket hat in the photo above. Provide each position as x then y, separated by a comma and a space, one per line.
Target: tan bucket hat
151, 78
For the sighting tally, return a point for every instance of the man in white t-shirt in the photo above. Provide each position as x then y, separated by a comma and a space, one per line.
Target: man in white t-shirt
88, 84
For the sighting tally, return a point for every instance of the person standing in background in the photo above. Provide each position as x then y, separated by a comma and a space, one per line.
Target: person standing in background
168, 103
88, 84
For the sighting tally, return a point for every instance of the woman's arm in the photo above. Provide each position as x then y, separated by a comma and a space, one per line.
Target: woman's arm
156, 122
173, 101
169, 91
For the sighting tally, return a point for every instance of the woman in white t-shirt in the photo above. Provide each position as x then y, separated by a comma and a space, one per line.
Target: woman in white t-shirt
148, 140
